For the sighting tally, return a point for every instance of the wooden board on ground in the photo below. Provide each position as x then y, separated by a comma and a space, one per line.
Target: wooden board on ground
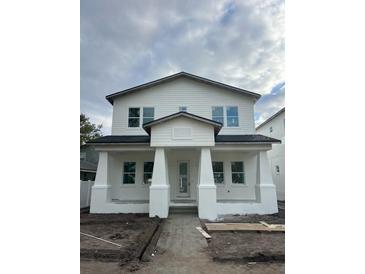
243, 227
206, 235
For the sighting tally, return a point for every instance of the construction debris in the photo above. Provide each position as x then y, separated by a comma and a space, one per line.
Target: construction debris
244, 227
206, 235
100, 239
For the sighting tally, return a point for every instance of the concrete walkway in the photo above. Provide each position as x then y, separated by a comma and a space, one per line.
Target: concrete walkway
182, 249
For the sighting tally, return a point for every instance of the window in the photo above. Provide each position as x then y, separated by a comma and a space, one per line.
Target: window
277, 168
238, 173
217, 114
148, 114
183, 109
232, 116
129, 173
270, 129
83, 156
218, 172
147, 172
133, 117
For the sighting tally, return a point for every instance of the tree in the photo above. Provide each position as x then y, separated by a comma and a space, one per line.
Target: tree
88, 131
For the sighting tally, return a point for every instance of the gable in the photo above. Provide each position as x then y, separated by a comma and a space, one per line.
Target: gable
174, 77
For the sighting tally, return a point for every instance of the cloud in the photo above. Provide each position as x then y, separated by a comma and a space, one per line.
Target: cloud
126, 43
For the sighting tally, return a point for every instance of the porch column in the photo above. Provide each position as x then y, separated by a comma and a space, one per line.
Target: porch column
160, 188
265, 188
100, 194
207, 191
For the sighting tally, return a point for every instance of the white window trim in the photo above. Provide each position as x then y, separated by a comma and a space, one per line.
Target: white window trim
244, 174
154, 113
140, 112
135, 174
146, 161
224, 173
238, 116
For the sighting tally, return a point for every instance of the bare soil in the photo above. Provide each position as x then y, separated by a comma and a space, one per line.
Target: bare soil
133, 232
248, 246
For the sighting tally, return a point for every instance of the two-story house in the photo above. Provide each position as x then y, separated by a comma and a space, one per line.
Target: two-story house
275, 127
183, 140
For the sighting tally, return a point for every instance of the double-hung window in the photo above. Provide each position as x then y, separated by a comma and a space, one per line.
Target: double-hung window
218, 114
148, 114
218, 172
147, 172
129, 173
232, 116
238, 173
133, 117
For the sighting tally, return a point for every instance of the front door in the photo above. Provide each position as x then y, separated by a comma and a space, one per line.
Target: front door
183, 188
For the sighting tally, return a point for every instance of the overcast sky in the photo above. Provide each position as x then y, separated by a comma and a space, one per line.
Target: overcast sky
126, 43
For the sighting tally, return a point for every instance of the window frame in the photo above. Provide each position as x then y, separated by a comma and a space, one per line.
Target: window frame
134, 117
224, 181
236, 172
238, 116
129, 173
223, 123
143, 117
144, 172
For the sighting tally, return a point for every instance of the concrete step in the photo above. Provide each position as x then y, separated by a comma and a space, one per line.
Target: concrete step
183, 209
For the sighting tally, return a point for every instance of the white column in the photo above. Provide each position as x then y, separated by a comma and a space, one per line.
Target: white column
265, 188
159, 189
100, 194
207, 192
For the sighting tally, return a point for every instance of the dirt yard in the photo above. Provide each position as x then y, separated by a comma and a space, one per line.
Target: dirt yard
133, 232
248, 246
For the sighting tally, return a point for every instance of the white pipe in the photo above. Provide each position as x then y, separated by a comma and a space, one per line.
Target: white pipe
100, 239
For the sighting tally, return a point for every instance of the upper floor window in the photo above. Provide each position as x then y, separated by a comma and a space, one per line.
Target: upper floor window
277, 169
133, 117
218, 172
270, 129
147, 172
238, 173
82, 155
148, 114
129, 173
183, 108
218, 114
232, 116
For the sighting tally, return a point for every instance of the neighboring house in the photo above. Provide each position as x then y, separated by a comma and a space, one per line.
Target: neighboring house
88, 163
275, 127
183, 140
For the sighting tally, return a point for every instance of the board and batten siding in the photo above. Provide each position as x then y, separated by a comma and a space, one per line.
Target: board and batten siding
199, 98
182, 131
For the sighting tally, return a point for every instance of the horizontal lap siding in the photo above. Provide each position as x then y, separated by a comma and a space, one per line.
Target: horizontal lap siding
198, 97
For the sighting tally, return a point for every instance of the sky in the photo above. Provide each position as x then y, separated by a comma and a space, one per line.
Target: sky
131, 42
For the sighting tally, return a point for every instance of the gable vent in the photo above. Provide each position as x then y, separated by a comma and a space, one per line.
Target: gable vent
181, 133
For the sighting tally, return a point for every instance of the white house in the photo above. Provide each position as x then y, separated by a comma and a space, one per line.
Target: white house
275, 128
183, 140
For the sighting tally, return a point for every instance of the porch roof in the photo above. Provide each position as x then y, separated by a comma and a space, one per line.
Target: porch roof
217, 125
219, 139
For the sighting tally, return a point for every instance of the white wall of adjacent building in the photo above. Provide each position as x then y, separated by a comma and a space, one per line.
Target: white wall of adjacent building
276, 129
199, 98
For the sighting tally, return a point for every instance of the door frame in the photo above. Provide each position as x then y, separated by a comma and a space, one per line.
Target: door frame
177, 181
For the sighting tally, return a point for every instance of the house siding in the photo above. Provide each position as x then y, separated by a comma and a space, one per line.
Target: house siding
197, 97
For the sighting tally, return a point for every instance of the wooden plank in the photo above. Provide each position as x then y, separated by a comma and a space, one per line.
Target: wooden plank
272, 225
202, 231
243, 227
100, 239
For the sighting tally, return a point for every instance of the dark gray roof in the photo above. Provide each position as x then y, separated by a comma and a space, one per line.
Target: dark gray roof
217, 125
126, 139
272, 117
121, 139
84, 165
111, 97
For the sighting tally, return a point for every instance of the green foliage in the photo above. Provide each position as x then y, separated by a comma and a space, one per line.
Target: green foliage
88, 131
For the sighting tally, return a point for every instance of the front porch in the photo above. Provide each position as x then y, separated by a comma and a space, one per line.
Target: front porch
181, 177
